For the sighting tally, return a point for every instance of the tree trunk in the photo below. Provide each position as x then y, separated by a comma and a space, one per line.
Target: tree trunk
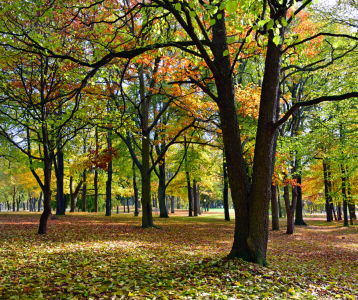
279, 202
47, 182
195, 199
161, 191
226, 191
13, 199
344, 195
109, 179
39, 204
135, 189
251, 203
339, 211
60, 200
326, 191
84, 192
274, 209
74, 194
290, 207
96, 176
128, 205
172, 204
189, 194
299, 207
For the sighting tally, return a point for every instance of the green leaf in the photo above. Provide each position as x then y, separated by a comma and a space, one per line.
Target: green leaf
231, 7
178, 6
226, 53
270, 24
276, 40
284, 22
219, 16
212, 22
192, 14
191, 4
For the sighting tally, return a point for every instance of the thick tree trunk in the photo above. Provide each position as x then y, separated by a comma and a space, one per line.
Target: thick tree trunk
326, 191
172, 204
60, 200
195, 199
147, 216
109, 179
47, 182
135, 189
344, 195
299, 207
226, 191
339, 211
161, 192
251, 203
109, 190
84, 192
13, 199
189, 194
39, 204
290, 208
74, 194
279, 202
274, 209
96, 176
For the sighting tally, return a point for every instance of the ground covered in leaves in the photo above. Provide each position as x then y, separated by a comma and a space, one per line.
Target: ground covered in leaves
89, 256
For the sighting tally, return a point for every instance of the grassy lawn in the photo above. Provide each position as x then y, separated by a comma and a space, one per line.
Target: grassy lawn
89, 256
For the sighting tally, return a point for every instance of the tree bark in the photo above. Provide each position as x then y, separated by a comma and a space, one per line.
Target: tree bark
39, 204
172, 204
344, 195
274, 209
84, 192
161, 191
326, 191
74, 194
135, 189
13, 199
226, 191
47, 181
109, 179
195, 199
279, 202
299, 207
95, 183
189, 194
60, 200
290, 207
339, 211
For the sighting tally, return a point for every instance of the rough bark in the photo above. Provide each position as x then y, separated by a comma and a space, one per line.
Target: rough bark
339, 211
161, 191
60, 200
109, 179
195, 200
274, 209
135, 189
226, 191
290, 207
39, 204
84, 192
74, 193
172, 204
47, 182
344, 195
326, 191
95, 183
299, 207
279, 202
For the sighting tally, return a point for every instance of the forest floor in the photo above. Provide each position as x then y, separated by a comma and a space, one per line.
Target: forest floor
89, 256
